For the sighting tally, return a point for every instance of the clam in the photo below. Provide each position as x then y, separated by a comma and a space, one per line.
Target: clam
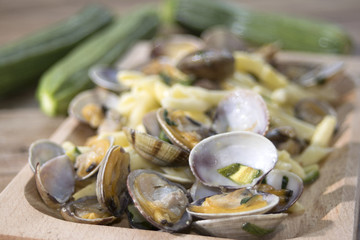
241, 110
182, 130
176, 46
42, 151
309, 75
88, 163
55, 181
232, 160
215, 65
89, 106
111, 181
241, 227
136, 220
86, 210
283, 180
155, 150
106, 78
160, 201
313, 110
151, 124
240, 202
285, 138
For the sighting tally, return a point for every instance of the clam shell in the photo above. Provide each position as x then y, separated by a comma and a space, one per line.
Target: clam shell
221, 150
155, 150
181, 224
187, 132
95, 170
74, 210
111, 180
242, 110
275, 177
43, 150
106, 77
235, 227
95, 96
271, 199
55, 181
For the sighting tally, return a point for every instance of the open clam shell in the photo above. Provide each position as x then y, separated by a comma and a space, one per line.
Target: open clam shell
99, 98
86, 210
233, 202
280, 179
222, 150
162, 202
91, 170
182, 130
106, 77
55, 181
42, 151
242, 110
111, 180
241, 227
155, 150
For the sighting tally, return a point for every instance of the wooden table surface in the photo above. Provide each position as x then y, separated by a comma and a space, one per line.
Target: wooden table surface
21, 122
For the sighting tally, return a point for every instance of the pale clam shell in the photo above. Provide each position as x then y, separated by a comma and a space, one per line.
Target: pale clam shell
95, 96
96, 169
184, 221
55, 181
111, 180
233, 227
221, 150
271, 199
187, 134
275, 177
42, 151
73, 210
242, 110
155, 150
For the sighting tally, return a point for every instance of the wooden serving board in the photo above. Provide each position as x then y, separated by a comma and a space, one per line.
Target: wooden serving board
332, 202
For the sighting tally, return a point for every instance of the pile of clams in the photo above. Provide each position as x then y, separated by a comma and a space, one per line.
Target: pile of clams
236, 192
229, 169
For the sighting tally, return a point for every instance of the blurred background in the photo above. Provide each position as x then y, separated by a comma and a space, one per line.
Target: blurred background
21, 121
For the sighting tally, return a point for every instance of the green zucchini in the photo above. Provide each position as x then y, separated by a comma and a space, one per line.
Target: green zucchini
260, 28
69, 76
23, 62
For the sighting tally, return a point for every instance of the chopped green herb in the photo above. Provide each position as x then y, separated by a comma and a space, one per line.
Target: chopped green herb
245, 200
163, 137
166, 78
77, 151
284, 182
256, 230
167, 119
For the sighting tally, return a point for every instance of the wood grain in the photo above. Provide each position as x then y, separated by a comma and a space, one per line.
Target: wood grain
331, 202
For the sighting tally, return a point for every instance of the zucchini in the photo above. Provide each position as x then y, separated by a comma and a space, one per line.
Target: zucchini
260, 28
22, 62
69, 76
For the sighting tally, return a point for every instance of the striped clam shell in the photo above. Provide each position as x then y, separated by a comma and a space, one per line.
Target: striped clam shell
156, 150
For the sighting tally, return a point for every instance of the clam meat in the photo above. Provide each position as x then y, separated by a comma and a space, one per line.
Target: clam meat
160, 201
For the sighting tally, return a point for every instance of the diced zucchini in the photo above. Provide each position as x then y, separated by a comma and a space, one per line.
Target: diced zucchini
239, 174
